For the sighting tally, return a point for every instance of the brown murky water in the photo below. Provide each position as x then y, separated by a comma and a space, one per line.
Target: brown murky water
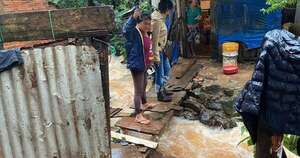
191, 139
183, 138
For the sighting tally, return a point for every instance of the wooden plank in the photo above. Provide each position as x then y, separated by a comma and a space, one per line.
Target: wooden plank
131, 151
55, 24
134, 140
182, 67
182, 83
129, 123
163, 107
114, 111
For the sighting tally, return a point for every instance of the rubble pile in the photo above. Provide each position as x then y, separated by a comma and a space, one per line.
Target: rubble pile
209, 103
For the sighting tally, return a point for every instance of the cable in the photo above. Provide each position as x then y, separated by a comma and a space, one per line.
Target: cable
51, 23
1, 34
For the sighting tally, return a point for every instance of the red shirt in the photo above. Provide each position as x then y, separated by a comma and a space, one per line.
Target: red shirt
147, 49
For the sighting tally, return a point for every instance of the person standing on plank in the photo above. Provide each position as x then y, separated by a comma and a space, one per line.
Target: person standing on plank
138, 48
159, 38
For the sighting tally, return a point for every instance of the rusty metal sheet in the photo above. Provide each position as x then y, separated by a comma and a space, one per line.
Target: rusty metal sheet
53, 105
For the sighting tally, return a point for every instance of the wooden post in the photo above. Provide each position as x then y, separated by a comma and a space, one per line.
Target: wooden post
297, 17
183, 30
215, 54
100, 44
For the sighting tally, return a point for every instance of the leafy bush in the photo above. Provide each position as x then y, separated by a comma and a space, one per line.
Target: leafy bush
120, 7
278, 4
289, 141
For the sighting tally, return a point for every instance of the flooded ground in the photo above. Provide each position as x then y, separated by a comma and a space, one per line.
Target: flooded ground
120, 84
192, 139
184, 138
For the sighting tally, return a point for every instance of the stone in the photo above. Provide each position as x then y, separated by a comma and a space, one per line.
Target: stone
199, 94
215, 106
193, 104
228, 92
190, 115
227, 105
204, 117
213, 89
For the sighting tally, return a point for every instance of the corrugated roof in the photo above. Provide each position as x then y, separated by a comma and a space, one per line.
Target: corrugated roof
53, 105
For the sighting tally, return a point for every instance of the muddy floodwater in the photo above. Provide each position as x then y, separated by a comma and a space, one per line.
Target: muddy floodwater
191, 139
185, 138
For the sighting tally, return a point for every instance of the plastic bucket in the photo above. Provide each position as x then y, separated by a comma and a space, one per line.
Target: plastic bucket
230, 56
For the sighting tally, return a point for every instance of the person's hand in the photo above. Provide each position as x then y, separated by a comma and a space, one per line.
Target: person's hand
137, 13
198, 17
157, 62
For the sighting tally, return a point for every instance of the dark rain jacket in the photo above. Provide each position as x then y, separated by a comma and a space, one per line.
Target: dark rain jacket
273, 93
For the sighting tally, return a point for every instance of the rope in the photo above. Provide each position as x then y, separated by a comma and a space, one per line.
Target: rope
51, 24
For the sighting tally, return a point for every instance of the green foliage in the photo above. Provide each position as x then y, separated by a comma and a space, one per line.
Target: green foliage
118, 40
278, 4
68, 3
289, 141
120, 7
247, 139
145, 6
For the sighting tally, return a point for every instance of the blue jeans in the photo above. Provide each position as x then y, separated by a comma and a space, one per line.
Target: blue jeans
175, 52
162, 72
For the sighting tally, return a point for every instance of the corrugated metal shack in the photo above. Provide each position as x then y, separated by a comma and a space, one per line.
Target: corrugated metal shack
57, 104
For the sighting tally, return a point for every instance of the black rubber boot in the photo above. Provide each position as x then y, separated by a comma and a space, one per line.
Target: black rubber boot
168, 93
163, 97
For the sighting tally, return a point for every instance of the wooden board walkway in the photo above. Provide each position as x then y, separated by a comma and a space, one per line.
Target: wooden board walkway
161, 115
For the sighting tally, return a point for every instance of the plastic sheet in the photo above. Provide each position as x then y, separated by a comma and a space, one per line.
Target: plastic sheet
242, 21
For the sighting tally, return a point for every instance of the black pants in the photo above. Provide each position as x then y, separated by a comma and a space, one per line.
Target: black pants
140, 84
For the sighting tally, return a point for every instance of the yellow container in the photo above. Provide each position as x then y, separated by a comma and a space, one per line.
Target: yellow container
230, 47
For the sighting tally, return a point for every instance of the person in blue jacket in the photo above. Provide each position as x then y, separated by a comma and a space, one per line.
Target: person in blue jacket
138, 47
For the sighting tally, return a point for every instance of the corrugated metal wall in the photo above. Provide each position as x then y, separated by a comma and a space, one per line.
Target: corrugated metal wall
53, 106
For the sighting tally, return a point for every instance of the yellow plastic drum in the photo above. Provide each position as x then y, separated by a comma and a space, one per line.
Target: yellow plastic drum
230, 55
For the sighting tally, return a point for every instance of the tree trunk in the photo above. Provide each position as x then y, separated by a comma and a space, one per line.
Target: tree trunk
297, 17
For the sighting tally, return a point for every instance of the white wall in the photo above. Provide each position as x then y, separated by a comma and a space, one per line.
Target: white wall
155, 3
